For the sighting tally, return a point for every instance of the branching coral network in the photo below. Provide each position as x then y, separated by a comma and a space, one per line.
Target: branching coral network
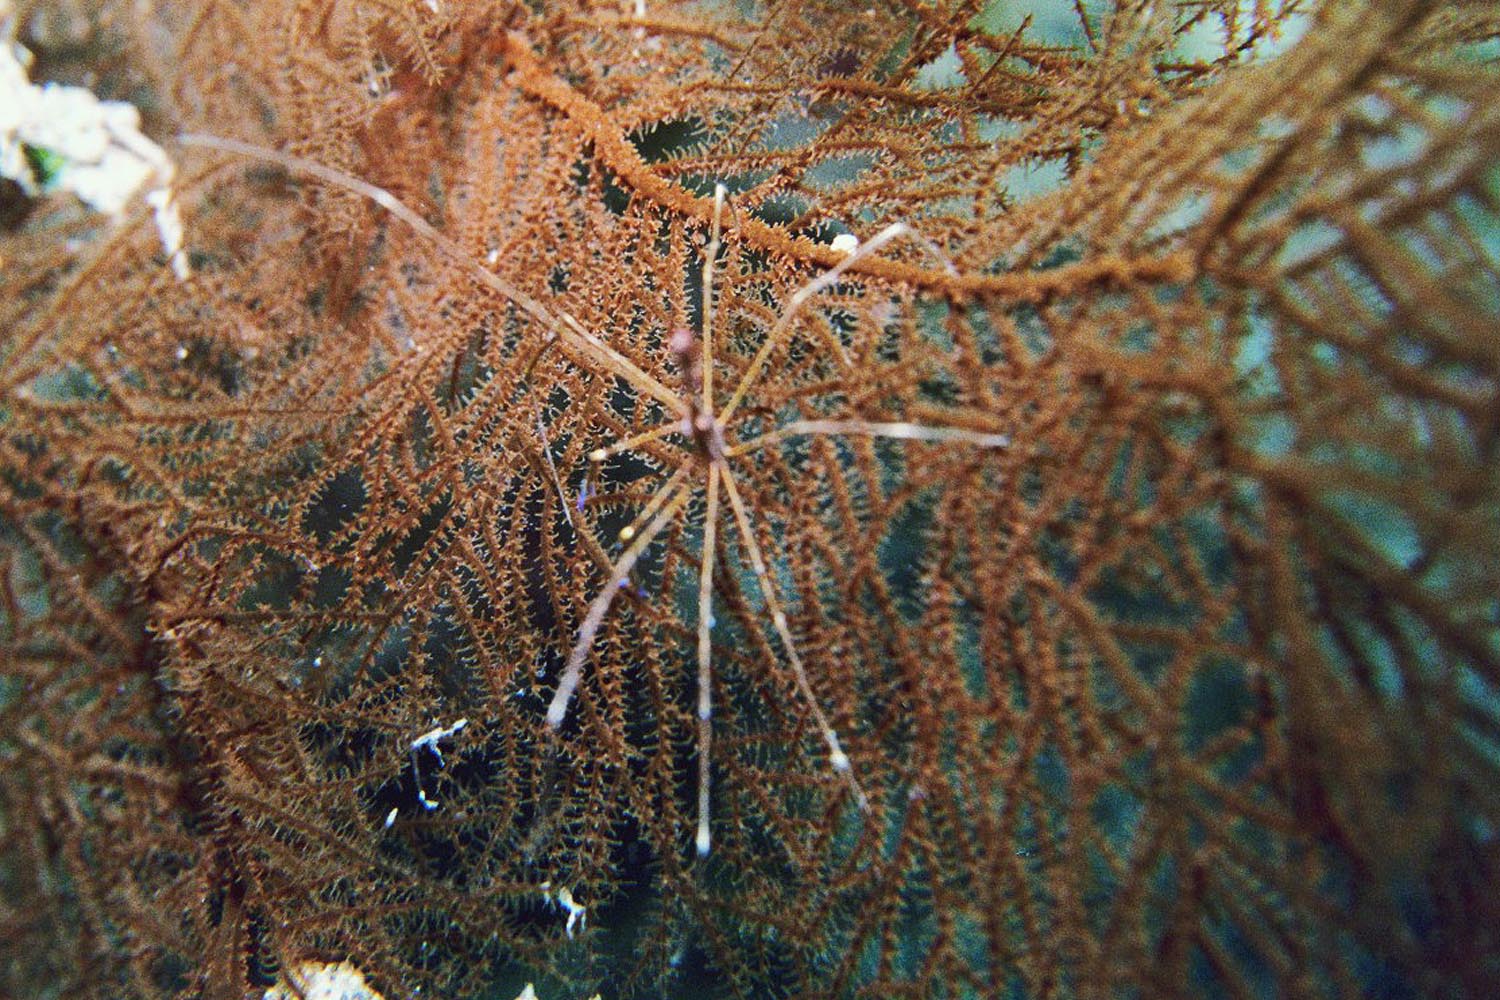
800, 499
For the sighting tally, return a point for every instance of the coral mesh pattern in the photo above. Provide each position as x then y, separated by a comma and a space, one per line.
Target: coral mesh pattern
1189, 688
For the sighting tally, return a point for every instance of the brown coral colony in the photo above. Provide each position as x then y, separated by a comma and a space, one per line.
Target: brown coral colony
757, 499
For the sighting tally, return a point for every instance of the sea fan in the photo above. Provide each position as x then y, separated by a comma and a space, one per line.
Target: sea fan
1059, 450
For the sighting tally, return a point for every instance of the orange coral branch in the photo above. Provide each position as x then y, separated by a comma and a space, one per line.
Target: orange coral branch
621, 157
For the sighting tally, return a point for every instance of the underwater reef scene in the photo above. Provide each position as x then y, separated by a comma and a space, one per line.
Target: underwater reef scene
917, 498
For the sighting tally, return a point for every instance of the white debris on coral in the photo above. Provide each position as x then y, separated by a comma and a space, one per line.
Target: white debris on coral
340, 981
845, 243
169, 226
529, 993
578, 914
322, 981
97, 148
430, 740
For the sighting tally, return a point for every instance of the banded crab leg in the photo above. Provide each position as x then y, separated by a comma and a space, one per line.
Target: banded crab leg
837, 758
719, 471
800, 298
664, 505
704, 368
900, 430
568, 330
705, 658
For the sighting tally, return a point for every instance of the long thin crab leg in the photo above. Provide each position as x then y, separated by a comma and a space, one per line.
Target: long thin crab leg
837, 758
562, 494
898, 430
816, 285
798, 300
558, 710
662, 494
705, 656
635, 441
710, 254
568, 329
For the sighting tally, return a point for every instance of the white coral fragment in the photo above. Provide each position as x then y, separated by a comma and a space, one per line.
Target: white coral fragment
94, 149
322, 981
845, 243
